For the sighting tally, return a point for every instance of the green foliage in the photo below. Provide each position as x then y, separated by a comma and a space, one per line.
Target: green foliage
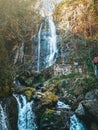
90, 83
28, 82
49, 114
71, 75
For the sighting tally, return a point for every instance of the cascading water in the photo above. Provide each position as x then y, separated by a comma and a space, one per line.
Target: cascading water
26, 117
4, 125
47, 46
76, 124
39, 37
52, 40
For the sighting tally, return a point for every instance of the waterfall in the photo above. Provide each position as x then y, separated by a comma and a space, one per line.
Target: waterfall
39, 40
46, 7
26, 117
63, 105
4, 125
47, 45
76, 124
53, 47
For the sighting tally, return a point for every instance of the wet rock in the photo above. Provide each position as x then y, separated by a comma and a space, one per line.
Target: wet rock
91, 109
46, 98
31, 79
94, 126
90, 95
51, 120
80, 110
27, 91
61, 105
12, 112
91, 106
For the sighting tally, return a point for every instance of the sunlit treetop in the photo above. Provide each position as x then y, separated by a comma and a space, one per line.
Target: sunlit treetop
78, 17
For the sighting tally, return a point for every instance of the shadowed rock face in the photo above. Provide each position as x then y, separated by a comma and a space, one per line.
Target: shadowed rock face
91, 104
12, 112
9, 114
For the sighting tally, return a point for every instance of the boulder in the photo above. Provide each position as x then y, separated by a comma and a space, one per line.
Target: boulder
54, 120
91, 107
90, 95
80, 110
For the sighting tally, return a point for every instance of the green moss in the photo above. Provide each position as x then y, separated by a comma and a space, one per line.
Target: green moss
84, 84
71, 75
52, 119
29, 92
29, 81
49, 98
29, 78
90, 83
49, 113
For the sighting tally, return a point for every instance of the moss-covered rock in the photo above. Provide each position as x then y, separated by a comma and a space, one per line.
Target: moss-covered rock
31, 78
47, 98
6, 91
29, 92
54, 120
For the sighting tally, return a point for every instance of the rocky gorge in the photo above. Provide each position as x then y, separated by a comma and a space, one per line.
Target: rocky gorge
49, 99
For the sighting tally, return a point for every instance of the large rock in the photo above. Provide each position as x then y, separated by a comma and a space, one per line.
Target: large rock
46, 99
91, 109
80, 110
91, 103
54, 120
11, 112
90, 95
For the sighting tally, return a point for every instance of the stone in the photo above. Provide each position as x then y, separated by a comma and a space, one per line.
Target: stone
91, 107
80, 110
54, 120
90, 95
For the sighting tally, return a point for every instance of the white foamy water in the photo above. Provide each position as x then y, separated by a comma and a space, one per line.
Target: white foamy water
4, 125
26, 117
76, 124
46, 6
47, 45
63, 105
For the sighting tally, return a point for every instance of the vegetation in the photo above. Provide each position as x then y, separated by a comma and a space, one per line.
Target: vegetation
78, 17
77, 22
77, 25
18, 24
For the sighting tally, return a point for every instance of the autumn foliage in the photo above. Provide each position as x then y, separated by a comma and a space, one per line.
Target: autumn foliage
78, 17
18, 23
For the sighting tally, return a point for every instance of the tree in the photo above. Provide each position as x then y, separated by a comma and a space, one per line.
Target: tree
18, 23
79, 17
